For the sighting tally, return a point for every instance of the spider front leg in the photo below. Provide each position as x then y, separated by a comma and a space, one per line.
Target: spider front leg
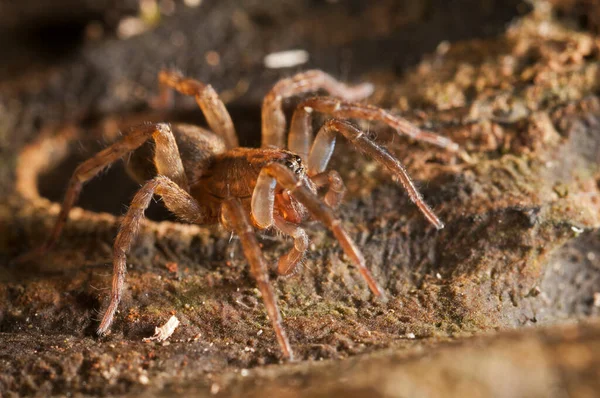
166, 160
286, 265
300, 135
277, 173
335, 186
273, 119
176, 199
214, 110
234, 216
324, 144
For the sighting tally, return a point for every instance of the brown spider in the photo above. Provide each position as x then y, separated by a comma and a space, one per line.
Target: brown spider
204, 177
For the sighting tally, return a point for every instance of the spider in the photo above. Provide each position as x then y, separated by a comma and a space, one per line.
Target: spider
204, 176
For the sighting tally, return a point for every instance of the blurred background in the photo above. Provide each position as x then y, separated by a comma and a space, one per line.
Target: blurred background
109, 51
81, 61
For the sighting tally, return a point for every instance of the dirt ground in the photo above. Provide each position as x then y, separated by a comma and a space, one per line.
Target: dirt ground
502, 302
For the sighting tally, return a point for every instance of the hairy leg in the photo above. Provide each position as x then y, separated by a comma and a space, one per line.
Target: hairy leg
177, 200
322, 212
273, 119
214, 110
166, 160
323, 148
235, 218
300, 135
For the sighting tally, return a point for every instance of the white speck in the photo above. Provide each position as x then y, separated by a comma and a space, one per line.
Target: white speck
109, 374
437, 275
244, 372
286, 59
259, 332
443, 47
597, 299
308, 109
131, 26
577, 230
144, 379
410, 336
192, 3
215, 388
544, 28
591, 256
165, 331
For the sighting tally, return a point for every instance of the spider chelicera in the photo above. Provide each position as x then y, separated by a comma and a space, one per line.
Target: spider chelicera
204, 176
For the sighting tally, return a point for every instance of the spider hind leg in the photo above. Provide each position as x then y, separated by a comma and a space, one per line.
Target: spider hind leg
176, 199
166, 161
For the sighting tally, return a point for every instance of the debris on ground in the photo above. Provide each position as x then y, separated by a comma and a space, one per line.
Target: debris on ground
165, 331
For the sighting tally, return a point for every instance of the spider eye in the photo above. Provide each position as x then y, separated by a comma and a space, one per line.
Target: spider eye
295, 164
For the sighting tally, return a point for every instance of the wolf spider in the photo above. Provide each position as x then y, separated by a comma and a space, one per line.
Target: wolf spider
204, 176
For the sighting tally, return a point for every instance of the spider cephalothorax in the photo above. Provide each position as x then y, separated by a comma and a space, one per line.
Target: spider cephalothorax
204, 177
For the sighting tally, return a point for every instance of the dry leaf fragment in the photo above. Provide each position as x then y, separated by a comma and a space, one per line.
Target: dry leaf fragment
165, 331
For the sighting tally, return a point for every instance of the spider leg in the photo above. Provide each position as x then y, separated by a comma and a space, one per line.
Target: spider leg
323, 148
286, 265
176, 199
301, 125
235, 217
278, 173
335, 186
262, 203
214, 110
273, 119
166, 160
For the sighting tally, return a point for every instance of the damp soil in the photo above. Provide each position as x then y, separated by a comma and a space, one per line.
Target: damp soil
511, 285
